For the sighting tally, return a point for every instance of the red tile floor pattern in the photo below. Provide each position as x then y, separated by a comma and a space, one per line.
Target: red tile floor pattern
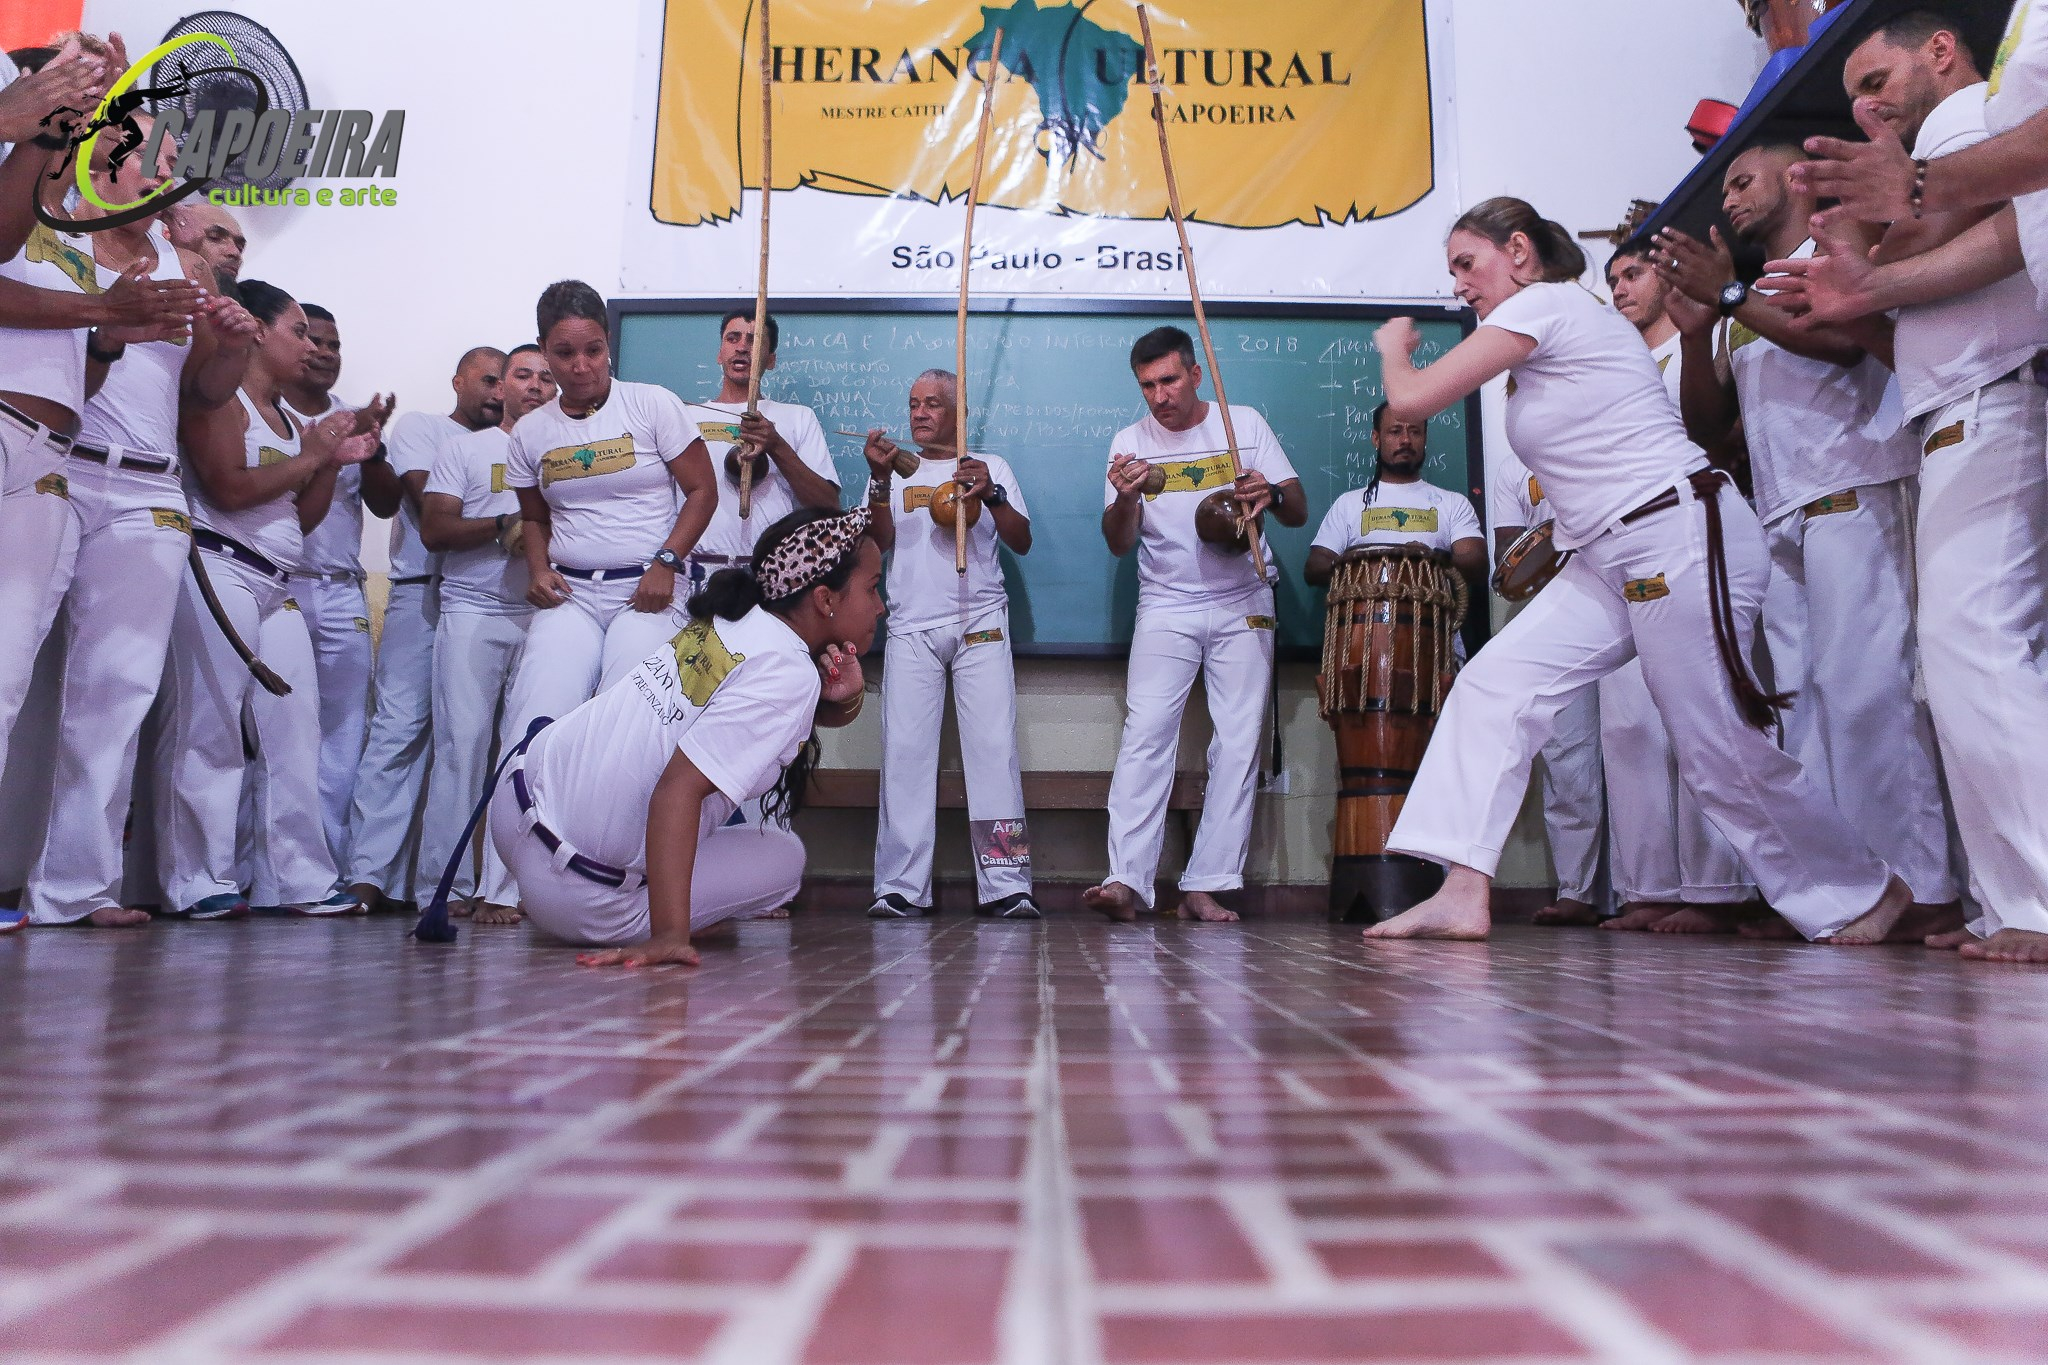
943, 1143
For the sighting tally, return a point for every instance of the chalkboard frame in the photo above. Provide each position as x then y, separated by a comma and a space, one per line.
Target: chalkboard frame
1478, 627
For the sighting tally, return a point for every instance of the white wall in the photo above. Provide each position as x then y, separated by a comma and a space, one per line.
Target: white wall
515, 167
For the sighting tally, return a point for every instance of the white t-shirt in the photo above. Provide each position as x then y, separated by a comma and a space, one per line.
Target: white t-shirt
137, 407
1813, 428
1514, 496
738, 697
1945, 350
336, 544
1588, 412
483, 580
269, 528
719, 426
413, 443
925, 592
47, 362
2017, 90
1399, 513
605, 477
1176, 570
1670, 360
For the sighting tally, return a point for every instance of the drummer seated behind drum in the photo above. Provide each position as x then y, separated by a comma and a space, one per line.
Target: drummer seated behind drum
1400, 507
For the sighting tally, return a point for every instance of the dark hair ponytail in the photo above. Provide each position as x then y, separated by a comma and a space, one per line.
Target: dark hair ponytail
265, 301
728, 594
1559, 258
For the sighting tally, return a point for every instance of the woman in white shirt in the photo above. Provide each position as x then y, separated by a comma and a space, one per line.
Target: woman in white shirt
1668, 565
616, 820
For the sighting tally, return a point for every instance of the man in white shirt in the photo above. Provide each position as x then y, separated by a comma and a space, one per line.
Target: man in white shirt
1399, 507
1965, 369
330, 592
945, 623
1832, 478
393, 772
1202, 608
1573, 786
470, 517
797, 471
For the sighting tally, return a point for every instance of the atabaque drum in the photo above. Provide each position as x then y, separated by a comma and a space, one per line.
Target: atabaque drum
1388, 660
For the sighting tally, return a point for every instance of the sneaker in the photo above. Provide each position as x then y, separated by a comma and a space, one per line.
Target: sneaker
340, 903
220, 905
893, 906
1017, 905
10, 920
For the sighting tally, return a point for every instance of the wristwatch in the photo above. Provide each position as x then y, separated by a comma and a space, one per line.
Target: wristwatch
994, 496
668, 559
1733, 295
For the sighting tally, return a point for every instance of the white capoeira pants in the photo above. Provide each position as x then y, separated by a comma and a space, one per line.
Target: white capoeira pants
1981, 543
123, 595
392, 776
1808, 862
1839, 619
1231, 649
210, 695
572, 653
38, 548
1662, 846
475, 657
1572, 794
741, 871
338, 618
977, 655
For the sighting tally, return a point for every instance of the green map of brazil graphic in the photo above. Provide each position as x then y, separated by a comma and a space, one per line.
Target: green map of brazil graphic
880, 98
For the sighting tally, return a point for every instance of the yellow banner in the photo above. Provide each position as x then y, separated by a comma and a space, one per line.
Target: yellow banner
1310, 111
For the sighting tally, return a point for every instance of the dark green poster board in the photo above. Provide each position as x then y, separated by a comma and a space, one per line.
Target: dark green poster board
1049, 385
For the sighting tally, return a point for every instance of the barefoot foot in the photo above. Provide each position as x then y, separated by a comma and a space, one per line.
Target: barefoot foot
1462, 910
487, 913
1698, 919
1113, 899
1567, 912
117, 917
1949, 942
1875, 923
1770, 926
1640, 915
1923, 921
1201, 906
2008, 945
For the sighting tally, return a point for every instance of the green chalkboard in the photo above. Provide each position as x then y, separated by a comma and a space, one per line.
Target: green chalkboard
1048, 386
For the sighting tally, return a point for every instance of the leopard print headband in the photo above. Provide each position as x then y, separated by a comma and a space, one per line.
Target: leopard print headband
811, 553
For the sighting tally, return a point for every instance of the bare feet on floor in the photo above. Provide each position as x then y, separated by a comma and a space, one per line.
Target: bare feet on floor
1923, 921
461, 909
1640, 915
1770, 925
487, 913
1874, 924
779, 912
1565, 912
1462, 910
117, 917
1699, 919
1200, 905
1115, 900
1949, 942
2008, 945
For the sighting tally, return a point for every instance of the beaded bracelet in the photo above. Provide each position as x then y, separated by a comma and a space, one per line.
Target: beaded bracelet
1919, 190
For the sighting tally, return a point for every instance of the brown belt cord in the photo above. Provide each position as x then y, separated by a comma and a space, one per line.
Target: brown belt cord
1759, 708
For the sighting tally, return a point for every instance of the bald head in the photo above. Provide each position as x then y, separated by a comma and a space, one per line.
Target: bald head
211, 232
479, 387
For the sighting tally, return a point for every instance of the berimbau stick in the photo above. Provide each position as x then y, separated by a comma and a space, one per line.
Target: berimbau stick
761, 279
1187, 252
988, 101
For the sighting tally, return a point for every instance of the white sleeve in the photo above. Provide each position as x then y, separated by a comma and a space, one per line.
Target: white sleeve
670, 422
808, 440
1335, 532
1534, 312
1507, 492
412, 447
450, 473
1460, 522
522, 465
999, 469
752, 727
